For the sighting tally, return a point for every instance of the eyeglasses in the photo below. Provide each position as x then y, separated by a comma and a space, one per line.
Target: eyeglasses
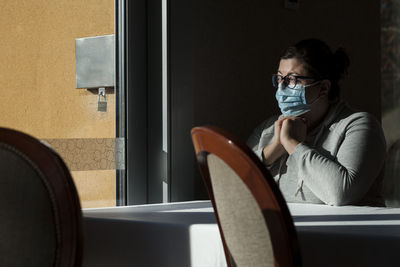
288, 80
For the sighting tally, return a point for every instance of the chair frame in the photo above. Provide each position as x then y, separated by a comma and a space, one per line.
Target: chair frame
210, 139
59, 179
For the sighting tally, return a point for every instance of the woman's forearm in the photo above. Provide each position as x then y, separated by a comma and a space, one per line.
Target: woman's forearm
272, 152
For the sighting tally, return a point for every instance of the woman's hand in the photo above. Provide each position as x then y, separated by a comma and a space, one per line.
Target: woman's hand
293, 131
275, 149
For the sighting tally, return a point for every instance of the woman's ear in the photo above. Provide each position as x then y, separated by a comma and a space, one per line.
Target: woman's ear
325, 87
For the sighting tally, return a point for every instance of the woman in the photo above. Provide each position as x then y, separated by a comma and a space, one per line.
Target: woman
320, 150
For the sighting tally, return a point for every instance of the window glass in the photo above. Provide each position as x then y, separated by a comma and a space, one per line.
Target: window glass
39, 94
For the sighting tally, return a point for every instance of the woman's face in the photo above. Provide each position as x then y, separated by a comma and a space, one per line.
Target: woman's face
295, 67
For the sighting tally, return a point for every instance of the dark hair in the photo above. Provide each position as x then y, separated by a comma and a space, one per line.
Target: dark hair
320, 62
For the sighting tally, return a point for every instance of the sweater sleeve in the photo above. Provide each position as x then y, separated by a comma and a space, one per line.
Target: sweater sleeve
346, 178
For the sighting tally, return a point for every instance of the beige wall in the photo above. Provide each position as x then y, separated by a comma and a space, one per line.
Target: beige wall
37, 71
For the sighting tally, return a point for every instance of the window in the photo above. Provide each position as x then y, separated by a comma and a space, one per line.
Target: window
124, 153
143, 67
40, 97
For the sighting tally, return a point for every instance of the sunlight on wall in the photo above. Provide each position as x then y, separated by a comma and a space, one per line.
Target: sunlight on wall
38, 84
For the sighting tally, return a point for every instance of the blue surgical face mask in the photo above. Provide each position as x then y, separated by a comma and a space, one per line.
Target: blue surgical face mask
292, 101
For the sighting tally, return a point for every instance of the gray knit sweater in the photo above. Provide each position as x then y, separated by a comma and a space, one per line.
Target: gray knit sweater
340, 163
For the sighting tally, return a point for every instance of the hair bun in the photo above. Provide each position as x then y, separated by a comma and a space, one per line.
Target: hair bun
341, 63
319, 61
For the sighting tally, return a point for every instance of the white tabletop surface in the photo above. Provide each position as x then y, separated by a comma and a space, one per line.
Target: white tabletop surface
347, 236
173, 234
186, 234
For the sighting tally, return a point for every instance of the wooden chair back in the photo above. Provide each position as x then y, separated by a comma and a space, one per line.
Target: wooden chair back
254, 221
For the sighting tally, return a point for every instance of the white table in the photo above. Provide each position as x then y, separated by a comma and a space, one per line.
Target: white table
186, 234
347, 236
174, 234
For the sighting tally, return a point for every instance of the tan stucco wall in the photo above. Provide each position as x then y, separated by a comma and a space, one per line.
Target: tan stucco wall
37, 74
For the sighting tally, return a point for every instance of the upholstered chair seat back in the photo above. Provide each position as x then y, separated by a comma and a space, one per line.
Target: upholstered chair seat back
40, 216
234, 202
254, 221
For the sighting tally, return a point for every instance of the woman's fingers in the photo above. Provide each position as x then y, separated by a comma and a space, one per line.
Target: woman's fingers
277, 129
293, 128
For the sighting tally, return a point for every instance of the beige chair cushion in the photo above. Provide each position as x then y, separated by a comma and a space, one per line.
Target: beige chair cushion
242, 221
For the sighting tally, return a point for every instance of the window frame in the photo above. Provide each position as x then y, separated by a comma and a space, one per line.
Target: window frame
139, 72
